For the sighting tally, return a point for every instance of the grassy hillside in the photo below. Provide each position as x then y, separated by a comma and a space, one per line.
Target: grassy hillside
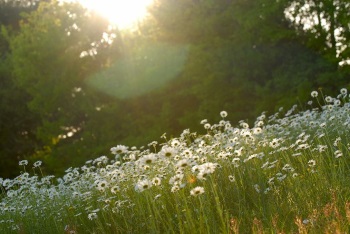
287, 173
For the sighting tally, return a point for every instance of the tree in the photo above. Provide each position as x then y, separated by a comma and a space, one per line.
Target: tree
325, 26
57, 47
10, 10
17, 123
240, 48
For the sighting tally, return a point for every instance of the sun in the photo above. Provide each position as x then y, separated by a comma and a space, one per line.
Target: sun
122, 13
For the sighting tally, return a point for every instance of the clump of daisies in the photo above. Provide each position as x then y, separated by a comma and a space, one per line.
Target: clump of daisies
257, 159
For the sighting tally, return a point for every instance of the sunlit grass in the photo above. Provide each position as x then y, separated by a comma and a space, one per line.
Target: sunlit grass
288, 173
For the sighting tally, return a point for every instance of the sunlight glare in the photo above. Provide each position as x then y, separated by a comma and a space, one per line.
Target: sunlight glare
123, 13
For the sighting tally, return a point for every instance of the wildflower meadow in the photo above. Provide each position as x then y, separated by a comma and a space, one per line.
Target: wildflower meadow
284, 173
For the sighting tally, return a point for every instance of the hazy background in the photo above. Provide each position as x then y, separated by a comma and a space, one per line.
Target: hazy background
72, 86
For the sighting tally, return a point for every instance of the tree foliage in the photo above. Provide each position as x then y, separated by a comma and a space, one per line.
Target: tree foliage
10, 10
17, 123
324, 24
247, 48
57, 47
242, 56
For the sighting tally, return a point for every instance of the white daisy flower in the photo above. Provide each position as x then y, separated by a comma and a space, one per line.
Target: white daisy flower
197, 191
23, 163
92, 216
143, 185
314, 94
223, 114
119, 149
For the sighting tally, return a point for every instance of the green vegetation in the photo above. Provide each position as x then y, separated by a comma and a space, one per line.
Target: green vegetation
72, 87
141, 70
79, 86
286, 173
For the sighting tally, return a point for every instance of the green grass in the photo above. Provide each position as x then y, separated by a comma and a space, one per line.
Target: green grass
287, 174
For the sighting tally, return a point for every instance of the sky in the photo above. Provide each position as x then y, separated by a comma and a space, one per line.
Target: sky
123, 13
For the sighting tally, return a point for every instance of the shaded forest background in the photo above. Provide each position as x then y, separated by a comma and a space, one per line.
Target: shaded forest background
72, 86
